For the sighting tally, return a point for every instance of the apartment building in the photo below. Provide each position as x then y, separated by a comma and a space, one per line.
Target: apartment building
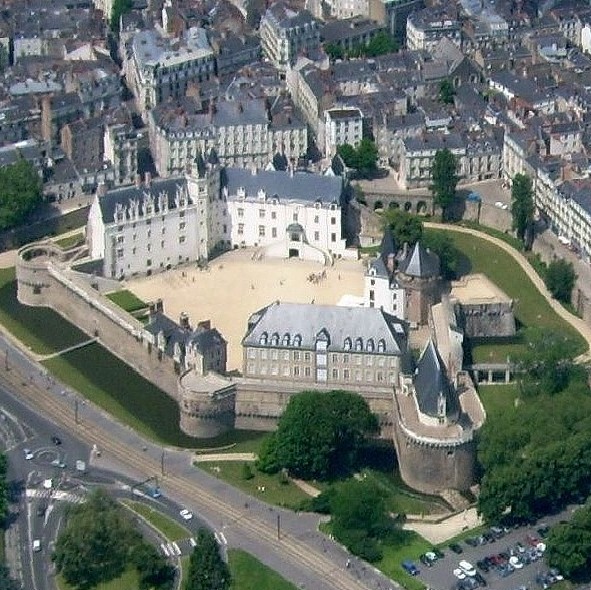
120, 150
325, 344
286, 34
424, 29
158, 67
341, 126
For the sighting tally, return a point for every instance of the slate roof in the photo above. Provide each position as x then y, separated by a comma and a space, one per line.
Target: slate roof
420, 262
300, 186
339, 323
431, 384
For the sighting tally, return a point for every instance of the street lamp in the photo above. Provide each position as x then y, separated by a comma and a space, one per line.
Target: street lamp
162, 462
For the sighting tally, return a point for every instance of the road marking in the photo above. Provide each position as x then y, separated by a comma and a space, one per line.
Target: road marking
176, 548
217, 539
223, 538
164, 549
193, 542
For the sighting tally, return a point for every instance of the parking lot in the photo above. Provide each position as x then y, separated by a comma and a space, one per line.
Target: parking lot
440, 575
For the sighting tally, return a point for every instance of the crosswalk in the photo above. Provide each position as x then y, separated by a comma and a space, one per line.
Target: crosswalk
54, 495
186, 546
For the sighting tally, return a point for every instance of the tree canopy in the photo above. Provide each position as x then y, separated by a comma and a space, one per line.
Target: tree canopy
120, 7
3, 489
406, 227
381, 44
446, 91
444, 180
568, 546
99, 542
319, 434
560, 278
442, 244
522, 207
20, 193
363, 158
207, 569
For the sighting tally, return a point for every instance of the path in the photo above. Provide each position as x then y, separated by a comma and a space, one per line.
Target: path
577, 323
307, 488
446, 529
212, 457
66, 350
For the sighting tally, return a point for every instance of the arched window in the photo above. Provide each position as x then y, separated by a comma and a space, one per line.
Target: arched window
370, 345
275, 339
297, 340
263, 338
359, 344
285, 341
381, 346
347, 345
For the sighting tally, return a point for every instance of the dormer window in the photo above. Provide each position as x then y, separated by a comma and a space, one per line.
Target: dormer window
285, 341
370, 345
358, 344
347, 344
275, 339
297, 340
317, 204
263, 339
381, 346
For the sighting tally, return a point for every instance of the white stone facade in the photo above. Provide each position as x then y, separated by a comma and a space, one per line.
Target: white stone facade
342, 126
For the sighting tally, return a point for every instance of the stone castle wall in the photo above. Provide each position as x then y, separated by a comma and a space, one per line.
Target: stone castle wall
485, 320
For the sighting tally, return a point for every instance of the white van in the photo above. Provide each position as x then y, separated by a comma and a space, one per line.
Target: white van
36, 545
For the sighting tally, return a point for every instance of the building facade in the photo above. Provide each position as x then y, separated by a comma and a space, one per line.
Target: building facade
341, 126
424, 29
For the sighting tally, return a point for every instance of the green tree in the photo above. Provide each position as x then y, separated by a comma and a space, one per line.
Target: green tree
319, 434
363, 159
6, 582
153, 569
207, 569
522, 208
20, 193
120, 7
444, 180
381, 44
89, 550
547, 363
349, 155
406, 227
442, 244
446, 91
334, 51
560, 278
569, 544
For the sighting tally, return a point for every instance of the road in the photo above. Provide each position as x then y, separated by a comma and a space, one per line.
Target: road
287, 542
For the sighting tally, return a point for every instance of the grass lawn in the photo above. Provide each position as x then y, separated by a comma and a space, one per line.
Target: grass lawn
248, 573
400, 498
127, 300
393, 557
40, 328
498, 399
114, 386
70, 241
280, 494
531, 308
129, 580
168, 527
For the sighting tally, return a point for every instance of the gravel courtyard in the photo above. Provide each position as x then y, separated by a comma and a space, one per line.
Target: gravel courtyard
238, 283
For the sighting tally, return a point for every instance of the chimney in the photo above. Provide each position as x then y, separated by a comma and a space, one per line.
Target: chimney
184, 321
138, 180
148, 179
204, 324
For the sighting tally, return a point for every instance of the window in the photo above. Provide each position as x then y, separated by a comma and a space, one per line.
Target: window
182, 226
261, 213
296, 356
251, 353
163, 230
370, 345
120, 239
149, 247
263, 338
316, 219
275, 339
307, 371
120, 253
359, 344
297, 341
295, 217
357, 375
285, 341
240, 229
379, 376
335, 358
333, 237
335, 373
347, 345
181, 214
264, 354
286, 355
381, 345
261, 231
286, 371
240, 212
296, 371
148, 262
250, 369
307, 357
333, 221
273, 232
273, 215
316, 236
275, 369
345, 358
346, 375
162, 244
274, 355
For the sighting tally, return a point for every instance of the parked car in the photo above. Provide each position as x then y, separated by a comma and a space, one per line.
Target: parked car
482, 565
467, 568
516, 562
480, 579
426, 560
36, 545
472, 541
56, 440
186, 514
410, 568
440, 554
456, 548
28, 454
459, 573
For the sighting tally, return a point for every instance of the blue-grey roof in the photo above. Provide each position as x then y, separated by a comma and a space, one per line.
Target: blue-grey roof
434, 393
420, 262
338, 323
299, 186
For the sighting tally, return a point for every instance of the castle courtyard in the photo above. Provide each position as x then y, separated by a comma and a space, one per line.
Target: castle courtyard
239, 282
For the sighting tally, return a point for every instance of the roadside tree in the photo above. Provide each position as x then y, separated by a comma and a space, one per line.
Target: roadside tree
444, 180
522, 208
560, 278
207, 569
319, 434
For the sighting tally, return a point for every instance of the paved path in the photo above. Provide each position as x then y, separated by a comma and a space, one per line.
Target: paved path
577, 323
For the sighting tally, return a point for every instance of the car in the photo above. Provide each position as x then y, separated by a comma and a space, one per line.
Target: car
36, 545
468, 584
467, 568
482, 565
480, 579
41, 509
459, 574
56, 440
532, 540
456, 548
425, 560
410, 568
28, 454
516, 562
472, 541
556, 574
186, 514
438, 553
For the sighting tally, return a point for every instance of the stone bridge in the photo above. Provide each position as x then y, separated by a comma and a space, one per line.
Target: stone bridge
421, 204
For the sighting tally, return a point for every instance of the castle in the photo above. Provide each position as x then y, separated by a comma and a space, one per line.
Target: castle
428, 408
